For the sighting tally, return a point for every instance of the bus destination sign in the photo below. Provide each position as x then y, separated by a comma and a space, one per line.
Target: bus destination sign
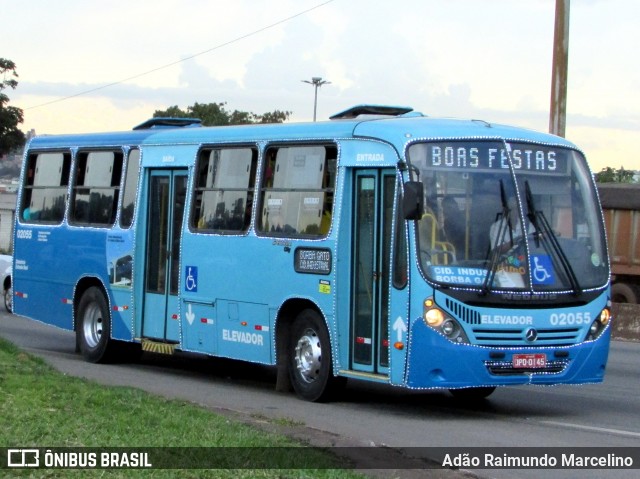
312, 260
494, 156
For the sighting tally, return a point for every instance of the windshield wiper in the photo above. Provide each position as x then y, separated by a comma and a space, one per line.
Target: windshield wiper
494, 253
544, 233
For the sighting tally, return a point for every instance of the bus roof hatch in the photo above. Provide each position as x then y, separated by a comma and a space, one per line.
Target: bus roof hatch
165, 122
383, 110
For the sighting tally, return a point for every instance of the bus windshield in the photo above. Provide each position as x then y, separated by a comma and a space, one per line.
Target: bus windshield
508, 216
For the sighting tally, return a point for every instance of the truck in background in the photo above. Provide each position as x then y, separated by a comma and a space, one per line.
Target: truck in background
621, 208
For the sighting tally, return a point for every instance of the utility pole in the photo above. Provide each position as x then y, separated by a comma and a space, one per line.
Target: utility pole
317, 82
558, 113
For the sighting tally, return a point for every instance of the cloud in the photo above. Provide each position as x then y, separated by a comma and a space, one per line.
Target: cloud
442, 58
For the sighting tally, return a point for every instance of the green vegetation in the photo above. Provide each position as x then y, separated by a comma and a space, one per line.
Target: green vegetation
216, 114
42, 408
611, 175
10, 116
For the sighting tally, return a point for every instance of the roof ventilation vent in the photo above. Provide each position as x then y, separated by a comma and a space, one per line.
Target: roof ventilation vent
168, 123
375, 110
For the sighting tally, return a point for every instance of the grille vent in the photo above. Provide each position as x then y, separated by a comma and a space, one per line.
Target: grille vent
460, 311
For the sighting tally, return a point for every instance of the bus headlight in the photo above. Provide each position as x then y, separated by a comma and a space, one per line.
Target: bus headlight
434, 317
437, 319
599, 324
448, 328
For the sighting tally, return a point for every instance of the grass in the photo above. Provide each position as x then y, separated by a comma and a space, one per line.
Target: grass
42, 408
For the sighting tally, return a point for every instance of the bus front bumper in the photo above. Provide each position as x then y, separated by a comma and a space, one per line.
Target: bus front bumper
435, 362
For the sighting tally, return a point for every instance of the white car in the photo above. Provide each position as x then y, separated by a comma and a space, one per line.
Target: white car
6, 263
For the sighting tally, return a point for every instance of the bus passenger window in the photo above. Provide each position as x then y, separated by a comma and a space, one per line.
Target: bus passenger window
224, 190
96, 188
45, 189
130, 188
297, 191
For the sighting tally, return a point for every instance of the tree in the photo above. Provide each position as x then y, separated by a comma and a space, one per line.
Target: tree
215, 114
11, 137
276, 116
610, 175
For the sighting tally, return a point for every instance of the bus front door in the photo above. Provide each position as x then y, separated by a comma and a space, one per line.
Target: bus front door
371, 256
165, 211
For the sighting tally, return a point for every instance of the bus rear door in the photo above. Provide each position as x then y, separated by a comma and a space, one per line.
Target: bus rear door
165, 211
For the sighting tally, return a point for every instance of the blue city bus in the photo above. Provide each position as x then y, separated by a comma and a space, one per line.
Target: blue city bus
383, 245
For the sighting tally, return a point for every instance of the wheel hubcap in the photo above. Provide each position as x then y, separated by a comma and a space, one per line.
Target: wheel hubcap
308, 355
92, 325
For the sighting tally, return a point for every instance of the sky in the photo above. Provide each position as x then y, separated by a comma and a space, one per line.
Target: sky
88, 66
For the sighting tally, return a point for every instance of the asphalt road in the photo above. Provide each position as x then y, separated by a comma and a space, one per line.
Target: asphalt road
604, 415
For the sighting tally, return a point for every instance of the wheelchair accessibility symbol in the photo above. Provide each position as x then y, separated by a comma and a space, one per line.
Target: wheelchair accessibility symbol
191, 278
542, 271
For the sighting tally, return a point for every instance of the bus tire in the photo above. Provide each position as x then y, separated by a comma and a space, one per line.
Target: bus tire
8, 299
472, 394
623, 293
310, 362
94, 326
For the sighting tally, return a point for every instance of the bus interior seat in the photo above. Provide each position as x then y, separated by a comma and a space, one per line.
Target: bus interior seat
441, 251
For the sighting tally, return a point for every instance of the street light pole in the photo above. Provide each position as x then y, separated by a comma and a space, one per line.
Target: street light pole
559, 73
316, 82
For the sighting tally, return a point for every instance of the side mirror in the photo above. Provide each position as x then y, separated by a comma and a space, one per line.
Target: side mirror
413, 200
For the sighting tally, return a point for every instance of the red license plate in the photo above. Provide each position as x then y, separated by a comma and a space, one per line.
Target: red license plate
534, 361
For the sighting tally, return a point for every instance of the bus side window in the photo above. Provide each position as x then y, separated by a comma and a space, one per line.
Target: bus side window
225, 179
96, 188
297, 190
130, 188
45, 189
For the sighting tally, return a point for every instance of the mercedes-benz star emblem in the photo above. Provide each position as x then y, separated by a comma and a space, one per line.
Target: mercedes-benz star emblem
531, 335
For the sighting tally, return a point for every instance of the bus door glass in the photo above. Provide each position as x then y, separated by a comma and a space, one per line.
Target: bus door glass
166, 201
374, 198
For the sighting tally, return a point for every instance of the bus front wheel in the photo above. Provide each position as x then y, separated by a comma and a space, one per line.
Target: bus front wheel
310, 366
94, 326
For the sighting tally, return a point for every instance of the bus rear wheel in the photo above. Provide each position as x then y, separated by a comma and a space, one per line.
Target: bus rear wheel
94, 326
310, 365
